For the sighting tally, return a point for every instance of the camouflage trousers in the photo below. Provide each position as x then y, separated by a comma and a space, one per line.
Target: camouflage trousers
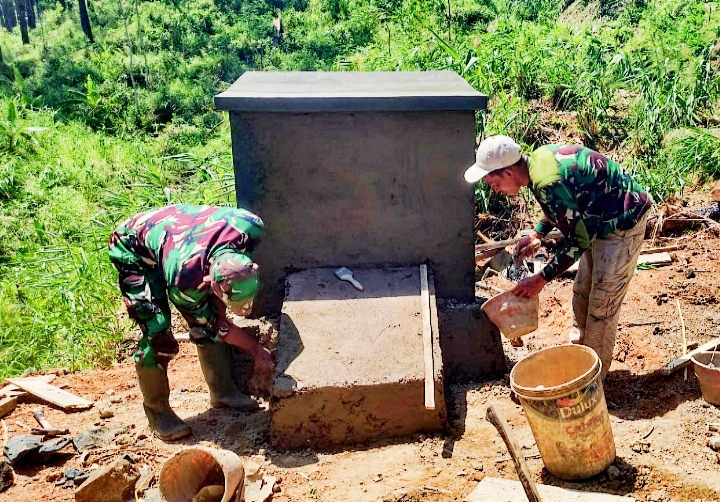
602, 280
145, 295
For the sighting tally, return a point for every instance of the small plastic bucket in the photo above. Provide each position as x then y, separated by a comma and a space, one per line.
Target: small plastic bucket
560, 389
708, 376
513, 315
184, 474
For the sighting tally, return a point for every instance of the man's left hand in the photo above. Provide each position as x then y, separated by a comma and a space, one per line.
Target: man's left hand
529, 287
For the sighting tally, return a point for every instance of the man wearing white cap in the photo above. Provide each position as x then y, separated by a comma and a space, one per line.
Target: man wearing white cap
601, 212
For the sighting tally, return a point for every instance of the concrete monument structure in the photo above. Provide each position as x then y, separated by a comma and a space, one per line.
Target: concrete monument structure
362, 170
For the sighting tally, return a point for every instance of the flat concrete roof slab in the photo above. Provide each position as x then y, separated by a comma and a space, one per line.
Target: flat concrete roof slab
350, 363
306, 92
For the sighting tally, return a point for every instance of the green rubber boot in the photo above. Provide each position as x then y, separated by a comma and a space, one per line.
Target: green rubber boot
216, 366
156, 393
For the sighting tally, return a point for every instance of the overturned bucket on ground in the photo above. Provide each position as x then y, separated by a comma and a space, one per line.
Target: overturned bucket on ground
707, 369
190, 470
513, 315
560, 389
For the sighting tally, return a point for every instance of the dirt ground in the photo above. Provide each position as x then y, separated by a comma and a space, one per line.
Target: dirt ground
666, 413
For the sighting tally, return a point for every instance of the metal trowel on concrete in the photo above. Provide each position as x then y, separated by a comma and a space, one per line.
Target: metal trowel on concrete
345, 274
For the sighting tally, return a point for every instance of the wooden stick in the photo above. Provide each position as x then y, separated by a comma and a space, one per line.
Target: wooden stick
674, 247
496, 417
427, 339
683, 361
682, 330
496, 245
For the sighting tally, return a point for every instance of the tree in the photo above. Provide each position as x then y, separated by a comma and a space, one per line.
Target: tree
31, 14
9, 16
85, 20
22, 20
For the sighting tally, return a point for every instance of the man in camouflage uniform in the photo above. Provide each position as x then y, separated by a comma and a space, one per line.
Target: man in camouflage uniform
601, 212
200, 257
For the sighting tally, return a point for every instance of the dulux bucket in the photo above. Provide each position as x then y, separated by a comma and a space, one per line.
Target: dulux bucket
707, 369
560, 389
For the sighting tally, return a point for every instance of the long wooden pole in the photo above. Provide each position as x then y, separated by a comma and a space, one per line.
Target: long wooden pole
496, 417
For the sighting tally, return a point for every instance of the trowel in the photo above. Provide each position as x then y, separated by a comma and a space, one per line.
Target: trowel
345, 274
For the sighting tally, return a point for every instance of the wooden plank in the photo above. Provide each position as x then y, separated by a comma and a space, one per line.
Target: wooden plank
427, 339
683, 361
7, 405
506, 490
644, 259
495, 416
496, 245
15, 391
51, 393
434, 325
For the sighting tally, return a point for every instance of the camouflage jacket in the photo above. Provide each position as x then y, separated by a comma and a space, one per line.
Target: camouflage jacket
180, 240
585, 195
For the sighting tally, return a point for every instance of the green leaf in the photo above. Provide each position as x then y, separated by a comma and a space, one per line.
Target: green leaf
446, 47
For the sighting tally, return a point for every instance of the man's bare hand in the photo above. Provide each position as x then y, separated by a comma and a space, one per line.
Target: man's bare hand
529, 287
527, 247
263, 360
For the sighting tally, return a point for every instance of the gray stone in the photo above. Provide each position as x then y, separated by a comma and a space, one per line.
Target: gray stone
48, 449
114, 483
72, 473
97, 438
21, 446
7, 475
613, 473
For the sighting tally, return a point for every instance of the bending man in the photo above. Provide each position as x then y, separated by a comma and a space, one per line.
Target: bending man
198, 257
601, 212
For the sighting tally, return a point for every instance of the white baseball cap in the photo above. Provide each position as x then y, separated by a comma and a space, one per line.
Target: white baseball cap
495, 152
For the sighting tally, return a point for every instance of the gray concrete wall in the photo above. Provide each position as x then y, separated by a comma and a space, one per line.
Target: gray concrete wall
358, 189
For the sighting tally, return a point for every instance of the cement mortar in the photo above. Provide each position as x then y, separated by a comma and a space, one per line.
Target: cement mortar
350, 363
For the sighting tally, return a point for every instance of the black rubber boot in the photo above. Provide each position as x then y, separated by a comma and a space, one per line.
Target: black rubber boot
156, 393
216, 366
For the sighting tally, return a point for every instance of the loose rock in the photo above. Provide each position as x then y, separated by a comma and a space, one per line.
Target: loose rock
21, 446
97, 438
114, 483
613, 473
7, 475
106, 413
714, 443
48, 449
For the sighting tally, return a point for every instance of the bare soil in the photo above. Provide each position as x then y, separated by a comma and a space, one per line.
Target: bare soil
668, 414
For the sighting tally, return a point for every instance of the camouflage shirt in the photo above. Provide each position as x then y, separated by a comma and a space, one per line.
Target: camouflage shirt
180, 240
585, 195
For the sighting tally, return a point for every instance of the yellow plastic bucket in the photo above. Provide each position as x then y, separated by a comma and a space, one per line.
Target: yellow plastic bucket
560, 389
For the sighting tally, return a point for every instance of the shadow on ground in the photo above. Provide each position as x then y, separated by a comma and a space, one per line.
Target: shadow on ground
632, 397
622, 482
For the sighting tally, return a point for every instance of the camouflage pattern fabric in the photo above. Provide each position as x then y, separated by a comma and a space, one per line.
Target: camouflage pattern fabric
184, 253
586, 196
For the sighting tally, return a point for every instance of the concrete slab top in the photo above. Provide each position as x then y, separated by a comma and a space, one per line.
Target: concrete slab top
332, 335
305, 92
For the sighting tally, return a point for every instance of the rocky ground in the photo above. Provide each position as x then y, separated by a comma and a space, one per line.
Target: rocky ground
660, 423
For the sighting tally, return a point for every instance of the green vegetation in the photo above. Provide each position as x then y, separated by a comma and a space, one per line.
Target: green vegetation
104, 116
